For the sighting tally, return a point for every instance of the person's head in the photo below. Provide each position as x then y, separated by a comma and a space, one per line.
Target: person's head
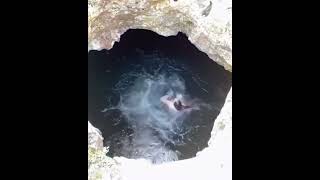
178, 105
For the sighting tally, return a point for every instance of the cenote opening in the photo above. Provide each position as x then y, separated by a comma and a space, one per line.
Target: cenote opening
128, 83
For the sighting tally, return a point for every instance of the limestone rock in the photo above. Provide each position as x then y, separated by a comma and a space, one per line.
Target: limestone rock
100, 166
95, 140
207, 23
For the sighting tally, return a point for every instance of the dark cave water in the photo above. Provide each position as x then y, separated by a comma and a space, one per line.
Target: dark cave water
125, 85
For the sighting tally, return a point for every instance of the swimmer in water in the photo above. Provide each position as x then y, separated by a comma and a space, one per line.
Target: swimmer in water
174, 103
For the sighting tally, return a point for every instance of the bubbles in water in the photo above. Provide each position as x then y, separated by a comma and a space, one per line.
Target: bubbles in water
154, 127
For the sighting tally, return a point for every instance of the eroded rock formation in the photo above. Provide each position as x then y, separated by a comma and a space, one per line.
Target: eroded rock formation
208, 25
100, 166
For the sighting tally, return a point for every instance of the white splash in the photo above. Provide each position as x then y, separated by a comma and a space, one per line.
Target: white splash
156, 126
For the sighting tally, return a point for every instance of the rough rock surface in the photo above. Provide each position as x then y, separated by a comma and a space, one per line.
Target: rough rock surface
95, 140
100, 166
207, 23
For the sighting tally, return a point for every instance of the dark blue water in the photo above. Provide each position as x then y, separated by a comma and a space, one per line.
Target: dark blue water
125, 87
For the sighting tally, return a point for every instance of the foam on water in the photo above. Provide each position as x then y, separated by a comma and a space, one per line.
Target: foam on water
153, 130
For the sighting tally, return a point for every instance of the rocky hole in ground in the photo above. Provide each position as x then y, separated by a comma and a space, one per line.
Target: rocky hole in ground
132, 90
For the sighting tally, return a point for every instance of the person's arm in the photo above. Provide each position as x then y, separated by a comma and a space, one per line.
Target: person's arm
186, 107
